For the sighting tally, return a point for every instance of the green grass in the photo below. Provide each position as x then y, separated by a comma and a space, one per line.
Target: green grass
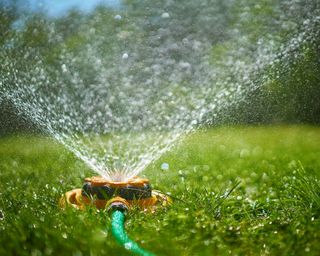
237, 191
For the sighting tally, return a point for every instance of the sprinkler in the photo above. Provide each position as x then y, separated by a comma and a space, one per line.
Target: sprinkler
117, 197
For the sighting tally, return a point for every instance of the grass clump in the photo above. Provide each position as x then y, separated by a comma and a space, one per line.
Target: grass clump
236, 191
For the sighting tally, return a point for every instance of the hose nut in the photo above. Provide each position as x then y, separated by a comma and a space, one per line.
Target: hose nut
117, 203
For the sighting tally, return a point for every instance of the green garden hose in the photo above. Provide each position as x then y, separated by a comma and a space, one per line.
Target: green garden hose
118, 231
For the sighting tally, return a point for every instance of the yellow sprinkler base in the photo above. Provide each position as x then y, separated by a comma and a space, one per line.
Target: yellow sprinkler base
102, 193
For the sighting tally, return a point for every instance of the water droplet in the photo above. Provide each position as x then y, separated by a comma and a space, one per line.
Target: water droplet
165, 15
64, 68
219, 177
206, 167
194, 122
244, 153
205, 178
165, 166
128, 245
206, 242
1, 215
117, 17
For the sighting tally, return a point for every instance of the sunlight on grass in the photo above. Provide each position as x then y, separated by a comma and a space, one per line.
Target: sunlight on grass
236, 190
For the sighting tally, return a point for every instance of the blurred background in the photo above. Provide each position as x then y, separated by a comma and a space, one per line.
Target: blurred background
290, 96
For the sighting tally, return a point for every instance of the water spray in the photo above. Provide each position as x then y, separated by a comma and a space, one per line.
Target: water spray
117, 197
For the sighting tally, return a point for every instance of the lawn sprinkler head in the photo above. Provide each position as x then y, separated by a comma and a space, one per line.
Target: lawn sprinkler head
120, 195
133, 189
117, 197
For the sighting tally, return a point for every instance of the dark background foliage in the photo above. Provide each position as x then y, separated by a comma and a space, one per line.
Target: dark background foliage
291, 94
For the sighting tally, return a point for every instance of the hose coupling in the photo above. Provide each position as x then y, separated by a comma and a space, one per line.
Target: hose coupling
117, 204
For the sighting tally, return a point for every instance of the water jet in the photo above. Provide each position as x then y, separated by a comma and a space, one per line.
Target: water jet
121, 89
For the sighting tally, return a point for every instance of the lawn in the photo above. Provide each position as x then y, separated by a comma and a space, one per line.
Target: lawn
236, 191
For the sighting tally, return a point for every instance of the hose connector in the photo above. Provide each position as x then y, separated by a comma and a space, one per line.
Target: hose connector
117, 204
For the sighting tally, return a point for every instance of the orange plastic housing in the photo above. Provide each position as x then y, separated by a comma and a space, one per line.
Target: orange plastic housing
76, 198
100, 181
